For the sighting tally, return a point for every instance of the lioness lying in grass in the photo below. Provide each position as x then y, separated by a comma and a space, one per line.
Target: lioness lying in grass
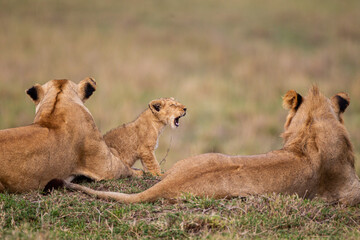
62, 142
317, 159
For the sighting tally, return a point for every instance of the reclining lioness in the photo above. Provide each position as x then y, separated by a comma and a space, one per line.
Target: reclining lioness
62, 142
316, 160
139, 139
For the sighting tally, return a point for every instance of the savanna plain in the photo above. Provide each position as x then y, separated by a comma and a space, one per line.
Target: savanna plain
229, 62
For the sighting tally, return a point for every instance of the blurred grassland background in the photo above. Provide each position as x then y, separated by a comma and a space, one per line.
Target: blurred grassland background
229, 62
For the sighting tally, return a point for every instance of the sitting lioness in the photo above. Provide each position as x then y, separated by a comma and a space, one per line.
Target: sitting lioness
63, 141
316, 160
139, 139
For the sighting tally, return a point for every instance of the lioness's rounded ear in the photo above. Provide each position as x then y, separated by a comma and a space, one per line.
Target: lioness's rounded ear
156, 105
292, 100
86, 88
341, 101
36, 93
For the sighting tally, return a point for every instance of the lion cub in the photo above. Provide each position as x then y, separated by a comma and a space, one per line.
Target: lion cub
139, 139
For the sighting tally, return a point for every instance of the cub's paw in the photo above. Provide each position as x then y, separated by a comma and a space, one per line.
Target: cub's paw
137, 172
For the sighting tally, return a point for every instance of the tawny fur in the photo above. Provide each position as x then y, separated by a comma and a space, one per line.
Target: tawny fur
316, 160
62, 142
139, 139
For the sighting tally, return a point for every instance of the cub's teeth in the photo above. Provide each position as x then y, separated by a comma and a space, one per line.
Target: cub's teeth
176, 121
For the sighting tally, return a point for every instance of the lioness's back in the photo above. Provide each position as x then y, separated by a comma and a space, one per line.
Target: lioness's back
28, 152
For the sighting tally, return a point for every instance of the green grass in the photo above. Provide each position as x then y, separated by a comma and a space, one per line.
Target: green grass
69, 215
228, 62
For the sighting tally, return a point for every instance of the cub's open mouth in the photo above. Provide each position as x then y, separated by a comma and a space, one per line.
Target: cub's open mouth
176, 121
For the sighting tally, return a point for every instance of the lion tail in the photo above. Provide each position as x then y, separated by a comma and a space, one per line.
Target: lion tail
146, 196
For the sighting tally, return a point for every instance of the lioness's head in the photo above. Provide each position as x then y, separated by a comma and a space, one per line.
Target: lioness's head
315, 106
51, 92
314, 123
168, 111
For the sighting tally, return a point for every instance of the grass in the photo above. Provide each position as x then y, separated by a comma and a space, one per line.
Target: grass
69, 215
228, 62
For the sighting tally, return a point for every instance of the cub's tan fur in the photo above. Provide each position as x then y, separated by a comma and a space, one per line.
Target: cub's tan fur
62, 142
139, 139
316, 160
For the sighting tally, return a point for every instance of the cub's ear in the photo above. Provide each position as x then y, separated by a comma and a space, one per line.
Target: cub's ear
156, 105
86, 88
292, 100
340, 102
36, 93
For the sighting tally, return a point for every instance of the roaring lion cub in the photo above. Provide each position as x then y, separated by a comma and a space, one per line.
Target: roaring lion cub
316, 160
139, 139
62, 142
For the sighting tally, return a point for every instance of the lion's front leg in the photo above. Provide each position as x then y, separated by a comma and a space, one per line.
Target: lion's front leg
150, 163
